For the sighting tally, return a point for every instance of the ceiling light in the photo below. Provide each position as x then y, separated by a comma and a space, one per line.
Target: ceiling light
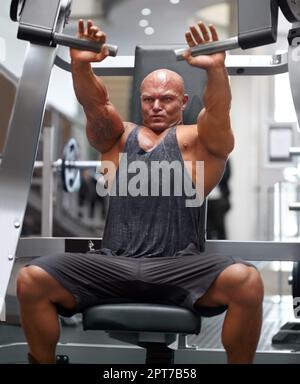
149, 31
143, 23
146, 12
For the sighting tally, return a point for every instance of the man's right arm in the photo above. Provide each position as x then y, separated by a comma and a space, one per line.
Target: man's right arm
104, 124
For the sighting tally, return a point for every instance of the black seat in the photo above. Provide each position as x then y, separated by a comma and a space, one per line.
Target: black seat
151, 326
154, 326
141, 317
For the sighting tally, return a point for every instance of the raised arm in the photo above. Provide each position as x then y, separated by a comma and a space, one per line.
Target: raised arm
214, 127
104, 124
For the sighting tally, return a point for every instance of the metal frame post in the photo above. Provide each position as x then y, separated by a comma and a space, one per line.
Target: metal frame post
47, 182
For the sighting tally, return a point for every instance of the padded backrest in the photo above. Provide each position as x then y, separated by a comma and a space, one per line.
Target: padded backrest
149, 58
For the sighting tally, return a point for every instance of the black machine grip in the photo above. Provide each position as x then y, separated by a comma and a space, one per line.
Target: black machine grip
75, 42
16, 7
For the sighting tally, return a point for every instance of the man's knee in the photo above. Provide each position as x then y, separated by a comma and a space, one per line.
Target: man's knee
35, 285
30, 284
245, 286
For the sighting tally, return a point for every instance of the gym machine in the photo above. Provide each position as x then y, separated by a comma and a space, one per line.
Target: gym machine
42, 23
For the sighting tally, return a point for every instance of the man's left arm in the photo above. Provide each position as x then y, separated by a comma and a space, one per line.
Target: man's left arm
214, 126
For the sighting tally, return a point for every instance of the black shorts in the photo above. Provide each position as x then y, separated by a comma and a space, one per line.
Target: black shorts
103, 277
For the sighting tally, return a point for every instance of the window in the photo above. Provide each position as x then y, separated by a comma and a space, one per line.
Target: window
280, 141
284, 106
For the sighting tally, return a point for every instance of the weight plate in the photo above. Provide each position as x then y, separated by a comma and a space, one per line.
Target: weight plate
70, 175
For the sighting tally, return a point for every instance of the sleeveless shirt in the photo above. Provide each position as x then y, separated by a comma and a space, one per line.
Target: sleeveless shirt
148, 216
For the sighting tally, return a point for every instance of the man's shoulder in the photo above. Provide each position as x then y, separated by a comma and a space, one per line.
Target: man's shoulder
118, 147
187, 127
129, 125
189, 142
128, 128
187, 132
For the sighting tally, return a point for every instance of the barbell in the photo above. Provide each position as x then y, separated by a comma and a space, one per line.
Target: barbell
69, 166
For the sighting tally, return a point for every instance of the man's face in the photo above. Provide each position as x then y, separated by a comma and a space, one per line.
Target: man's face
162, 104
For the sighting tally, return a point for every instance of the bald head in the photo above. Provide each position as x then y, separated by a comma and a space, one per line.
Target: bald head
162, 100
164, 77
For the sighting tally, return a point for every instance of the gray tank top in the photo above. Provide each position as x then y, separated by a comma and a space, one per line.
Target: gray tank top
146, 222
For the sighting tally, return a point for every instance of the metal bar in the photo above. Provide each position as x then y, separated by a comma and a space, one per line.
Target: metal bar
82, 164
79, 164
210, 48
294, 151
118, 66
246, 250
257, 65
279, 275
47, 183
23, 137
256, 250
294, 207
35, 246
237, 65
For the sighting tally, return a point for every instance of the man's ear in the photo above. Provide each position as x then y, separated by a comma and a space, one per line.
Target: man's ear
185, 101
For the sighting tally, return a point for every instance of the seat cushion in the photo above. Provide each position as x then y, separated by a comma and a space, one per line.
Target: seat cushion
140, 317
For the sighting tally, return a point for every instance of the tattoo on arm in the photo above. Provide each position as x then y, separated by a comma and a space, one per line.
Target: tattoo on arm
101, 129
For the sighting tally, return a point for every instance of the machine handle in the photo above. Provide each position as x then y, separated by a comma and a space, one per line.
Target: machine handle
209, 48
74, 42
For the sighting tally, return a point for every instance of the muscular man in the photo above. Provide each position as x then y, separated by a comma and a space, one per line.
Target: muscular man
150, 243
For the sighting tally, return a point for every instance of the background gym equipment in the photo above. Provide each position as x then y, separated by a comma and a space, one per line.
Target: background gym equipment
71, 175
15, 180
69, 166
